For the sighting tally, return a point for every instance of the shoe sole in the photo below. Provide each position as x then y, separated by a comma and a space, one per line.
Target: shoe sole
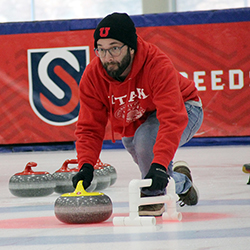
180, 164
197, 192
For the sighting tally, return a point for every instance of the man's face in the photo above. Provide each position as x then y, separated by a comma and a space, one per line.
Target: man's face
115, 66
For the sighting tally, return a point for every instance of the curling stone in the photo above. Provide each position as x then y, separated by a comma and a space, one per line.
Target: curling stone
92, 186
111, 170
30, 184
81, 207
102, 177
63, 177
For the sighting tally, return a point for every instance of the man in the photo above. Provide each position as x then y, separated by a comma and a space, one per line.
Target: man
152, 106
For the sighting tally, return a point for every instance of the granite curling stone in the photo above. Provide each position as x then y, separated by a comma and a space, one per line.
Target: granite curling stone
92, 186
102, 177
63, 177
111, 170
31, 184
81, 207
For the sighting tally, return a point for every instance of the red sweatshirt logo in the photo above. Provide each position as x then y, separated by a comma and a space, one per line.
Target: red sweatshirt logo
104, 31
133, 112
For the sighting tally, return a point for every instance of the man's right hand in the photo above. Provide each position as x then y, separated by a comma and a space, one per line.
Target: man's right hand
85, 174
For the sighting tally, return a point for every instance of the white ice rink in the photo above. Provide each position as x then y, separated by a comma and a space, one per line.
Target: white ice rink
220, 221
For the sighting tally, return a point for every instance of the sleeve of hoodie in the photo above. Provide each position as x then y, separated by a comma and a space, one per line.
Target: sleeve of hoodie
92, 120
171, 111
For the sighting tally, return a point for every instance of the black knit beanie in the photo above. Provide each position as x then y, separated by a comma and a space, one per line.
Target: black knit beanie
117, 26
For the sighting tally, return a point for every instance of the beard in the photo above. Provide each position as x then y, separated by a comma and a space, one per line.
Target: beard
120, 66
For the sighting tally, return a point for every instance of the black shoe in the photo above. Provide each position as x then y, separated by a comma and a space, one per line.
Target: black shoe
191, 197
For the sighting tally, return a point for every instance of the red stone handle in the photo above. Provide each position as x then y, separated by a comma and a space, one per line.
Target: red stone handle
65, 168
28, 169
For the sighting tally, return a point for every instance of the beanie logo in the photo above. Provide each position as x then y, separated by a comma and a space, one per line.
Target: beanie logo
104, 31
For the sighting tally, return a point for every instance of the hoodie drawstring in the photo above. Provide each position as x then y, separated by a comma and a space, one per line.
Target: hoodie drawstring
125, 113
111, 114
126, 108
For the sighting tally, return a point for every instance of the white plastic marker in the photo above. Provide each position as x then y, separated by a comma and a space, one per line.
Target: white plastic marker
135, 201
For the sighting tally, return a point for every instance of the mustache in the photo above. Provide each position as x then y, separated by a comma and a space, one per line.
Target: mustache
110, 63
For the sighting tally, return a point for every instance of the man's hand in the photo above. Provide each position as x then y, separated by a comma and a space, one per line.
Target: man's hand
85, 174
159, 176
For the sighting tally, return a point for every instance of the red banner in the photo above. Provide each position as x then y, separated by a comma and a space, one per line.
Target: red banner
40, 73
217, 58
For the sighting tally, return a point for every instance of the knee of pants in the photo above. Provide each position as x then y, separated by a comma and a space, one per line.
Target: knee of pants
142, 148
144, 142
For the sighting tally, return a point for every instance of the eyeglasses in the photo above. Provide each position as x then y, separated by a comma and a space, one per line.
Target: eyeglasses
114, 51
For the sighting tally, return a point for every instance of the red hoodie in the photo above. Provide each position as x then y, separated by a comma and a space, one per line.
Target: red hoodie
152, 84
